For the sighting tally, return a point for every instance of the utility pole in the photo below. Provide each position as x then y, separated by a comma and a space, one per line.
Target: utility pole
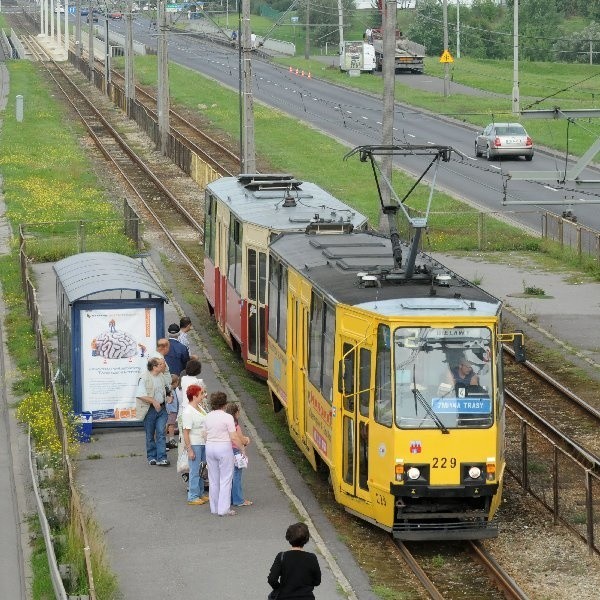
78, 48
388, 15
341, 24
129, 56
516, 100
457, 28
91, 41
66, 28
163, 78
248, 157
446, 82
58, 36
106, 55
307, 40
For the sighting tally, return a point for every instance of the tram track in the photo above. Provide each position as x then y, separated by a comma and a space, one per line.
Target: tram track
145, 183
210, 150
567, 419
430, 563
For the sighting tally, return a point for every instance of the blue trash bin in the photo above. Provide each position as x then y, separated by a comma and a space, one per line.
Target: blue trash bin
84, 427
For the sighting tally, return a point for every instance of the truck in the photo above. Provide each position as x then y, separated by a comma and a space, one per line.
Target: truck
410, 56
357, 56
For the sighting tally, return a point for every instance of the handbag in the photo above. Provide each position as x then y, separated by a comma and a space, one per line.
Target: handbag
240, 460
274, 594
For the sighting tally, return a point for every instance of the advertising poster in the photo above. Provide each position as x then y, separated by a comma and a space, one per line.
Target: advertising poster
114, 350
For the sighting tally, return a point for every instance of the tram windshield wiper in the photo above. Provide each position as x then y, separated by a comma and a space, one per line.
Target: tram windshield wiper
430, 412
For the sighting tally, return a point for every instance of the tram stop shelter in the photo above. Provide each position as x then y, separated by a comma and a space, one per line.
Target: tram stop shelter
110, 313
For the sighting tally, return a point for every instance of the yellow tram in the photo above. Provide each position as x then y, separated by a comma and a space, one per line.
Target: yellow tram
390, 374
363, 365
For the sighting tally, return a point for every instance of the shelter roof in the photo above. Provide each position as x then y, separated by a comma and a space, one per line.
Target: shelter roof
90, 273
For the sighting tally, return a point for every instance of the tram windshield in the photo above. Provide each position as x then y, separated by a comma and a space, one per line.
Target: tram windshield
442, 377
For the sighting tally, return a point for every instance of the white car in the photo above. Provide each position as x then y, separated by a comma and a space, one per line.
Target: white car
504, 140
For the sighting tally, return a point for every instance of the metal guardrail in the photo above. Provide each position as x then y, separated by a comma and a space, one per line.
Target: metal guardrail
581, 239
568, 489
16, 44
78, 519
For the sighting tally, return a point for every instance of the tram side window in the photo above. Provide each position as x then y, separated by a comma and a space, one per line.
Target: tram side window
278, 302
321, 337
235, 254
364, 392
383, 377
210, 226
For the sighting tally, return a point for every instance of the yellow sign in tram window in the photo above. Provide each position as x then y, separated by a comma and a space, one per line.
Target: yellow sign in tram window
446, 57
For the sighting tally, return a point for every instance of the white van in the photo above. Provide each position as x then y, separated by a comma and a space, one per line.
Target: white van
357, 56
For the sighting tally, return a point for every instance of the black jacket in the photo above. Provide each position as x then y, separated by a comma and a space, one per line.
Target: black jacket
295, 573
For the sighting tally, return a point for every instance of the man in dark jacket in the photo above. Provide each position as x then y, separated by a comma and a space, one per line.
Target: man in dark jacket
178, 355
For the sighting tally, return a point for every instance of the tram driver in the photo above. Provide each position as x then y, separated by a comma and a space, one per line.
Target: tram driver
463, 374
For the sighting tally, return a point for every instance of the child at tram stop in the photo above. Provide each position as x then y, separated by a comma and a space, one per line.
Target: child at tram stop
237, 492
172, 410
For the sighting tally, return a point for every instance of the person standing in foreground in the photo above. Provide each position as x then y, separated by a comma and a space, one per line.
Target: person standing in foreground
194, 437
220, 433
295, 573
151, 390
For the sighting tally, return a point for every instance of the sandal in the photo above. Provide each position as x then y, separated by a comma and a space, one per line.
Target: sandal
246, 503
229, 513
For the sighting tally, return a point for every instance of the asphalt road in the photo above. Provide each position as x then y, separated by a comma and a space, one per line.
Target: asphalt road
354, 118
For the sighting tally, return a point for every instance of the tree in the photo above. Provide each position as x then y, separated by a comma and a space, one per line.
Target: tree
427, 27
324, 19
539, 22
576, 47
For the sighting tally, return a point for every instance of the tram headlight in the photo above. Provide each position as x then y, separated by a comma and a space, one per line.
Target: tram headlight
413, 473
474, 472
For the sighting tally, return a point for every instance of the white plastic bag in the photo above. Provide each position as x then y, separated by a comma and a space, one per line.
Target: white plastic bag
183, 465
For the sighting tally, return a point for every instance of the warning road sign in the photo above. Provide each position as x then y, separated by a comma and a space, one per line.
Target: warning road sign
446, 57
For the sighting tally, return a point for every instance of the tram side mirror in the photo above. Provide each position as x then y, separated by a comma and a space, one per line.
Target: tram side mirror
519, 348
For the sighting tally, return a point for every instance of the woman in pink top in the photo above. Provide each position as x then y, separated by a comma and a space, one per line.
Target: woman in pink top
220, 433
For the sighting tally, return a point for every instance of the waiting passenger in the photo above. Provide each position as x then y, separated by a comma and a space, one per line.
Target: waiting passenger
294, 574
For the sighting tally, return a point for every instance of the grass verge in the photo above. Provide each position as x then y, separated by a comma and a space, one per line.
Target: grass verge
48, 181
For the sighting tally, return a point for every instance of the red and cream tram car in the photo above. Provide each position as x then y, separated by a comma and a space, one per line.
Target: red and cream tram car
243, 215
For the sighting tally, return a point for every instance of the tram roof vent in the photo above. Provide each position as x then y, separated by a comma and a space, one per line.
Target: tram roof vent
289, 201
366, 280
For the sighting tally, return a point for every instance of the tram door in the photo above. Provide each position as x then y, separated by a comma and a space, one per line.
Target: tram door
257, 294
356, 388
298, 414
221, 262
